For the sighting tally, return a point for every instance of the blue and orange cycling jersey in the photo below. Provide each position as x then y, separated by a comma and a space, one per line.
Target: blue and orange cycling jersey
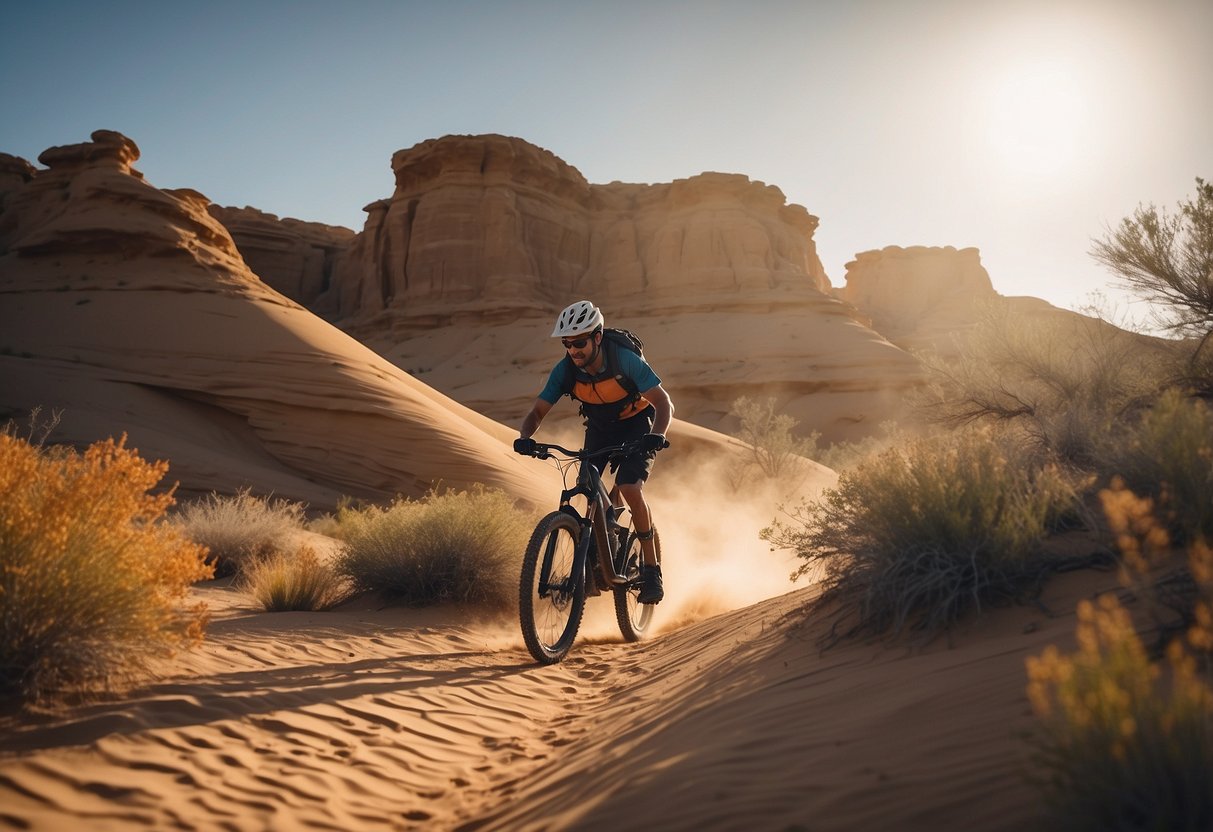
603, 393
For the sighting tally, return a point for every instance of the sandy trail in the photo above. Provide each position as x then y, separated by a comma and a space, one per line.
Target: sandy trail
354, 719
370, 718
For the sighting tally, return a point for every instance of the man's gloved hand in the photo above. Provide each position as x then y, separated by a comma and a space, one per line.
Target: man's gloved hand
652, 442
526, 447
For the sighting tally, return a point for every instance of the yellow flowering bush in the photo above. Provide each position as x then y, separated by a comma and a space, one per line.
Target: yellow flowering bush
91, 583
1176, 585
1127, 743
1122, 744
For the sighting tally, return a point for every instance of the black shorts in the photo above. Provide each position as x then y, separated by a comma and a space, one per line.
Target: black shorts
634, 467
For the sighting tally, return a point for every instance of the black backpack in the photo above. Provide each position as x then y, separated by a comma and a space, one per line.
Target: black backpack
612, 340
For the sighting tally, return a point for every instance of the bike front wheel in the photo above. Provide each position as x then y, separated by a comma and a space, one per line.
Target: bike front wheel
633, 617
551, 598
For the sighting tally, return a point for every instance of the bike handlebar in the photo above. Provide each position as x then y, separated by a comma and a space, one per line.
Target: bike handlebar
544, 450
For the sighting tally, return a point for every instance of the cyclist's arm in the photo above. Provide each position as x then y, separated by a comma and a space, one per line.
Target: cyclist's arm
663, 406
531, 422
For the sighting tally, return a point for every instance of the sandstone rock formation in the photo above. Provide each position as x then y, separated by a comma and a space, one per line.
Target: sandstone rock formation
917, 296
457, 276
294, 257
14, 173
130, 309
500, 221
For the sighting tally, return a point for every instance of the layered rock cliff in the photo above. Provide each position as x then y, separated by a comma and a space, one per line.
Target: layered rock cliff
130, 309
293, 256
502, 222
457, 276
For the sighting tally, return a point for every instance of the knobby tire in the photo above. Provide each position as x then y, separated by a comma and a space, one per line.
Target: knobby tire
550, 623
632, 616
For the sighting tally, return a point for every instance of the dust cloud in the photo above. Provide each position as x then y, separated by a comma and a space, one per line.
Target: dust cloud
709, 515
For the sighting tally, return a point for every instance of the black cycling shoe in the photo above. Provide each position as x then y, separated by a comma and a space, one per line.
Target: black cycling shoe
651, 591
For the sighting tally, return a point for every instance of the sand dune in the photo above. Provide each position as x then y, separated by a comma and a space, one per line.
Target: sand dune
370, 718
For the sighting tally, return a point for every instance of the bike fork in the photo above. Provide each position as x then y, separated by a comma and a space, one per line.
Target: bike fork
579, 558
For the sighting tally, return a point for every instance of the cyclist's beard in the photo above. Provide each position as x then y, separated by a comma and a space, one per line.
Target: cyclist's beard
589, 360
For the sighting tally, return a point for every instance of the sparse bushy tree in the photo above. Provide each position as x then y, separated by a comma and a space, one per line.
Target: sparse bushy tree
770, 435
1167, 259
1063, 380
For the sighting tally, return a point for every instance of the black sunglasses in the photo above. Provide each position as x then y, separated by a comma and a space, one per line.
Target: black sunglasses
577, 343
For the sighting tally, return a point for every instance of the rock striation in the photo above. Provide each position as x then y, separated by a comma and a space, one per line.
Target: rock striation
497, 220
130, 309
294, 257
457, 276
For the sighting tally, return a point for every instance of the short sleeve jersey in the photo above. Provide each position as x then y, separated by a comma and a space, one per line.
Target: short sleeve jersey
629, 364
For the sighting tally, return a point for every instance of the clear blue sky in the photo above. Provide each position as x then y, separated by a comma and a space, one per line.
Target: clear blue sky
1020, 127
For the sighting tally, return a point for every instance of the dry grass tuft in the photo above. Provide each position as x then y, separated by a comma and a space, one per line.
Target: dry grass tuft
242, 528
282, 582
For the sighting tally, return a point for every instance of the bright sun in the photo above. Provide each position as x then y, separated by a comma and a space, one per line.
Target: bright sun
1036, 122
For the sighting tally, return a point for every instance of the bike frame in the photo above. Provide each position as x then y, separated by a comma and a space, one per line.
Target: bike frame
599, 521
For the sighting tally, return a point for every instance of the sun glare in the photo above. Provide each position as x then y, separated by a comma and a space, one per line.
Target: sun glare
1037, 121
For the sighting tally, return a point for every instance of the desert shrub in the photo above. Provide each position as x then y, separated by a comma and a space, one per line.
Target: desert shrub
457, 546
300, 580
1061, 381
1167, 456
91, 580
842, 455
237, 529
1121, 745
1174, 584
921, 534
769, 435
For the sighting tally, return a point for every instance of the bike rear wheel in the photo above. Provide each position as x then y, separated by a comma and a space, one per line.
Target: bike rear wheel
633, 617
551, 599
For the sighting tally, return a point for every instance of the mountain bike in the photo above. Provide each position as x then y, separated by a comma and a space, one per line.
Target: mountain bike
572, 555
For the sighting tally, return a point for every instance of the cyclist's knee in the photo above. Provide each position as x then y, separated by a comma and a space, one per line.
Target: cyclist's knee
631, 490
633, 495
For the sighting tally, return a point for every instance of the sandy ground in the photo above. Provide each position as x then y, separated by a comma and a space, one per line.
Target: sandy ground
387, 718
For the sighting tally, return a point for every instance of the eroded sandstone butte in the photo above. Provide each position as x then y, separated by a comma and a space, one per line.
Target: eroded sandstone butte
130, 309
918, 296
498, 220
457, 276
293, 256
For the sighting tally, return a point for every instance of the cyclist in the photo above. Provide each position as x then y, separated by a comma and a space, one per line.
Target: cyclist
622, 400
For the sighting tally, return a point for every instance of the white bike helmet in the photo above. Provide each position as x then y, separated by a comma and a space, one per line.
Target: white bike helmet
578, 319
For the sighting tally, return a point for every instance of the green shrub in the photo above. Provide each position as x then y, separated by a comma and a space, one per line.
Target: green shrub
91, 582
1168, 456
921, 534
462, 547
282, 582
769, 435
240, 528
1121, 745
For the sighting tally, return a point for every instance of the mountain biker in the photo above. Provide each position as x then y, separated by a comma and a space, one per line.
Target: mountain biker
622, 400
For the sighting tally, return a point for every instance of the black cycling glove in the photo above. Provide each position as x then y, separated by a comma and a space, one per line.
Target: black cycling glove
526, 447
652, 442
